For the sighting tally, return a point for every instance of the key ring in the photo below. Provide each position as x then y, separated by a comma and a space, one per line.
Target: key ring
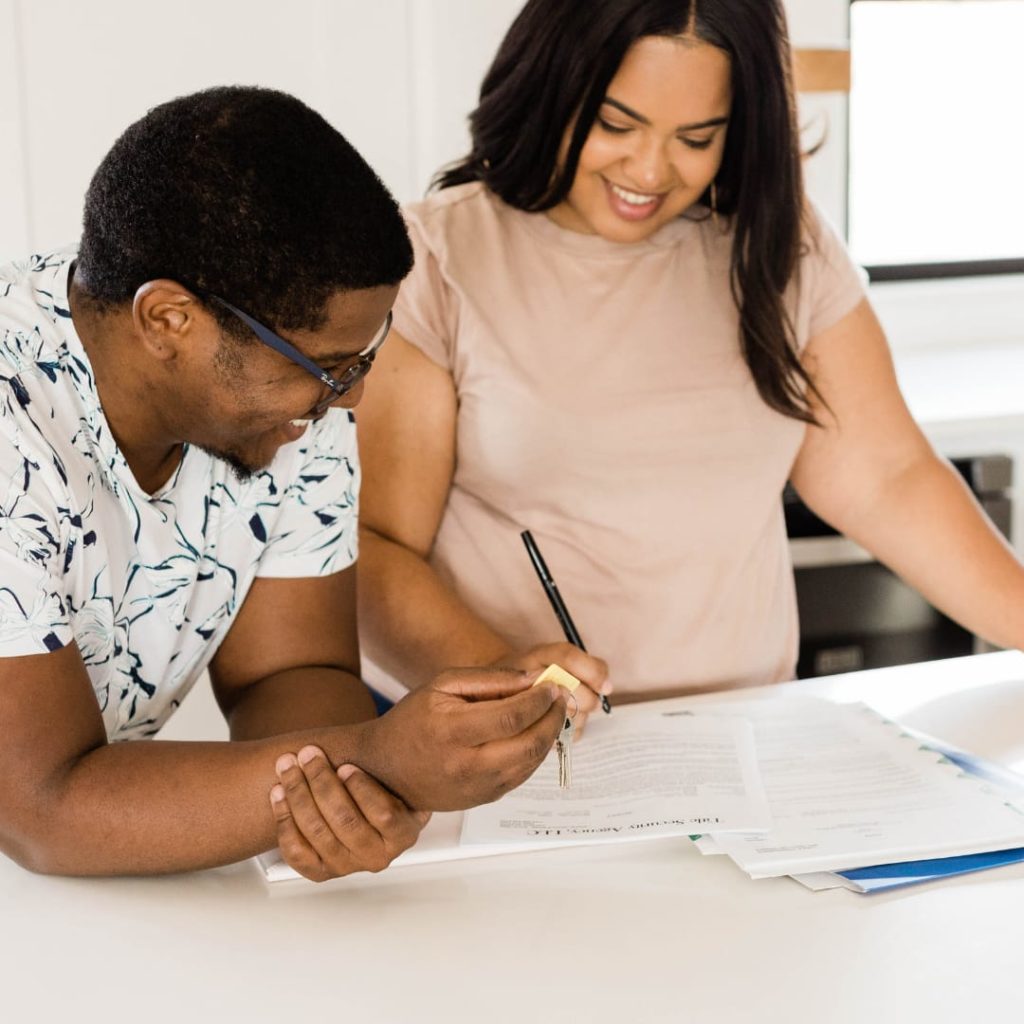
571, 715
575, 705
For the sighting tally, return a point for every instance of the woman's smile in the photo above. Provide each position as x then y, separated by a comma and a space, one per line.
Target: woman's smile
631, 205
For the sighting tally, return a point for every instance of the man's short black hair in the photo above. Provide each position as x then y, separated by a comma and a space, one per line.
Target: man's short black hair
246, 193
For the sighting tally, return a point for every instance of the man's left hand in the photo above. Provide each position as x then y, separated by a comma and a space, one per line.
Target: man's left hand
333, 823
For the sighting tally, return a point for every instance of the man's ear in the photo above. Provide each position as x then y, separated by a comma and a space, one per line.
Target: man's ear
168, 318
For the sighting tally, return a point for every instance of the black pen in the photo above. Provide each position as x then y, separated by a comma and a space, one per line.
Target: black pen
564, 618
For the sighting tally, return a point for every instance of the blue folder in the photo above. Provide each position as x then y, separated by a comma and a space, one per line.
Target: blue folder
891, 876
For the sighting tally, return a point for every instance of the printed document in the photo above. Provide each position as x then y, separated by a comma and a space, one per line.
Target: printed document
849, 789
635, 775
438, 842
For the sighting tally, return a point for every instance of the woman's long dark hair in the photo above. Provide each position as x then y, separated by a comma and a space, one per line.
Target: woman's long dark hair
555, 65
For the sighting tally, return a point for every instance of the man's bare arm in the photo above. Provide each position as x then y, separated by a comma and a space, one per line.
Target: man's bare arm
291, 659
71, 803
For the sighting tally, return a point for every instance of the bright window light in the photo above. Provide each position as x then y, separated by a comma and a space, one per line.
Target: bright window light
936, 131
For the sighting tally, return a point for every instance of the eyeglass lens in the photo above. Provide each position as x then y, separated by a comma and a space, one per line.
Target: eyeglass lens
355, 373
346, 382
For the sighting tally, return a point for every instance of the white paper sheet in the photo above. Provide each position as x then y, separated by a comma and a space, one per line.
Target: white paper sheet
708, 847
848, 789
820, 881
439, 841
720, 748
636, 776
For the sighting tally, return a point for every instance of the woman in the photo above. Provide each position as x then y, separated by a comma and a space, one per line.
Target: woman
625, 330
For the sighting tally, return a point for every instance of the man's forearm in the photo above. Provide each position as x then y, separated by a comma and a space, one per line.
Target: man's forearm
305, 698
153, 807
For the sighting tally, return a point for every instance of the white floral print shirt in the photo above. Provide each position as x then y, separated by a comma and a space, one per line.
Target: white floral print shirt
147, 585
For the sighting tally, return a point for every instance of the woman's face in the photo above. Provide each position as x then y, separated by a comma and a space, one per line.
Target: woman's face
657, 141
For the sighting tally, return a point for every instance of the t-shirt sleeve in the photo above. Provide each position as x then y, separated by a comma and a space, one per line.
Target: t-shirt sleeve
33, 613
314, 532
426, 312
831, 283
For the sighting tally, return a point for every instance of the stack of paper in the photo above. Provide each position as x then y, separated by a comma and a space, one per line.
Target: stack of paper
882, 877
833, 795
853, 797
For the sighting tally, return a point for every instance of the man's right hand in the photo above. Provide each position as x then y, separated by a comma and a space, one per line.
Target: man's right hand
464, 739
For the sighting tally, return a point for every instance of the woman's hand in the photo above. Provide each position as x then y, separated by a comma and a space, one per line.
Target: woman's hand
590, 671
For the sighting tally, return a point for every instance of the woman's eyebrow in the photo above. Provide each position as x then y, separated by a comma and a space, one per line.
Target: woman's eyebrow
712, 122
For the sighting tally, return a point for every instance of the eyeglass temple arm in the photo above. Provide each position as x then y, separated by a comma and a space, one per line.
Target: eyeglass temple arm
279, 344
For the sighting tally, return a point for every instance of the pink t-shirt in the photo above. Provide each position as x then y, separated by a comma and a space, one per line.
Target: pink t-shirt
605, 405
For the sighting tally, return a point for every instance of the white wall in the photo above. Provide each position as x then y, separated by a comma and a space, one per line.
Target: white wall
823, 24
818, 23
81, 72
454, 41
397, 77
14, 230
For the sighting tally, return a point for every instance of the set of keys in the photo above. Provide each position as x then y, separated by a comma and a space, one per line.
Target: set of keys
563, 744
563, 751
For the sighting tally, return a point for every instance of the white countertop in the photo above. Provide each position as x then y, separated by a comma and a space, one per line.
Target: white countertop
955, 388
642, 932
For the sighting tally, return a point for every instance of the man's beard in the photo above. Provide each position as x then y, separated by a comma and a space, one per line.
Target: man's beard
242, 470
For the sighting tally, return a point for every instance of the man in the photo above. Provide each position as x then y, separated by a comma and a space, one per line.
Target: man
178, 483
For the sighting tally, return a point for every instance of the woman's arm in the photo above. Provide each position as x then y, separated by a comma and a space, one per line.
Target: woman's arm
871, 473
411, 623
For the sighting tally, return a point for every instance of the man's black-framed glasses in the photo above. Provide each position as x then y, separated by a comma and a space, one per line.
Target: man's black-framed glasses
335, 388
